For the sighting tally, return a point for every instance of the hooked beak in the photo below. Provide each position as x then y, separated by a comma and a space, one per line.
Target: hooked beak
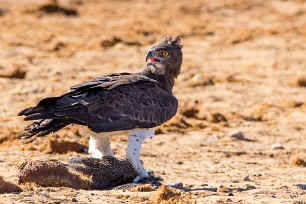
150, 56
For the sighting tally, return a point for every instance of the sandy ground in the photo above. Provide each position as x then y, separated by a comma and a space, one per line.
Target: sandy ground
244, 70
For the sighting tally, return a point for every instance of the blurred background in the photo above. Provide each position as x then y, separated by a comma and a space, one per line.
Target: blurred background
242, 88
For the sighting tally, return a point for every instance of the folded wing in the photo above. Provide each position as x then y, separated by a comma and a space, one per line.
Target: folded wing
110, 103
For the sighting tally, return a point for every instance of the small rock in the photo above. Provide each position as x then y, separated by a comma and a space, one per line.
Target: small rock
197, 76
297, 161
217, 118
230, 194
2, 12
299, 82
236, 134
247, 178
8, 187
58, 46
301, 186
213, 138
43, 193
179, 185
277, 146
54, 8
110, 42
15, 73
74, 200
249, 187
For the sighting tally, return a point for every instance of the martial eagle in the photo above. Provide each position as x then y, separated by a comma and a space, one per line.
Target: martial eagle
116, 103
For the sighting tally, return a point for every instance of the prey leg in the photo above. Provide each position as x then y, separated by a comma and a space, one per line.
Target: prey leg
135, 140
100, 147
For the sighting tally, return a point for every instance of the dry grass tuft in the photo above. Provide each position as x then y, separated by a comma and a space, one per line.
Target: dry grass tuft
169, 195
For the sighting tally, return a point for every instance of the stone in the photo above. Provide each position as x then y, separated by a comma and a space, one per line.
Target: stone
247, 178
236, 134
277, 146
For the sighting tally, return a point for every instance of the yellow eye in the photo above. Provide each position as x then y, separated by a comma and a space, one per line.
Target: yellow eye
165, 54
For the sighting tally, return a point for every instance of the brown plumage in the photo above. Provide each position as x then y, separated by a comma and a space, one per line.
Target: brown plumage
114, 102
137, 102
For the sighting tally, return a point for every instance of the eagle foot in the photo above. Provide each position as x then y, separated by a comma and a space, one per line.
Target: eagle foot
152, 179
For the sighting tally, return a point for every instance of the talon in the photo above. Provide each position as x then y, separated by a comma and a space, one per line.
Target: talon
137, 179
99, 147
142, 175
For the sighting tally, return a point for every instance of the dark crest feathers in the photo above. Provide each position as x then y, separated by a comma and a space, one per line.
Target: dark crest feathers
175, 42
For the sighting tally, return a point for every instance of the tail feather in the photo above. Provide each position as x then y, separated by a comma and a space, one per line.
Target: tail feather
25, 111
42, 128
40, 116
44, 106
36, 110
46, 121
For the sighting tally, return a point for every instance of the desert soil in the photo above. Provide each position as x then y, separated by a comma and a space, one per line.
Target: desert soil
240, 134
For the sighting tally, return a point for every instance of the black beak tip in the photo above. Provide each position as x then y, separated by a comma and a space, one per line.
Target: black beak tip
149, 55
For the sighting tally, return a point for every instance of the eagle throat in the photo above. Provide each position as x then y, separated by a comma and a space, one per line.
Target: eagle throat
159, 74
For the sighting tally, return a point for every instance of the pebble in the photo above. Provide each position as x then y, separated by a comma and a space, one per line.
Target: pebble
74, 200
249, 187
44, 193
211, 139
236, 134
197, 77
179, 185
277, 146
230, 194
301, 186
235, 181
247, 178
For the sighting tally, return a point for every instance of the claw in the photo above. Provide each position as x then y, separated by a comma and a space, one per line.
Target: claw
154, 181
137, 179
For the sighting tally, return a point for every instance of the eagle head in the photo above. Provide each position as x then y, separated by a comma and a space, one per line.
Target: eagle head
167, 53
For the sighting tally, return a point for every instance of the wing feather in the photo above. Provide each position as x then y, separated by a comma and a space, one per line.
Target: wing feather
118, 103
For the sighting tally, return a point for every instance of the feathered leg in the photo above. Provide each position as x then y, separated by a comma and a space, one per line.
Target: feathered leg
135, 140
100, 147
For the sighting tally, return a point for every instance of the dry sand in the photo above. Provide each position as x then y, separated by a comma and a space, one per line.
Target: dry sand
244, 70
